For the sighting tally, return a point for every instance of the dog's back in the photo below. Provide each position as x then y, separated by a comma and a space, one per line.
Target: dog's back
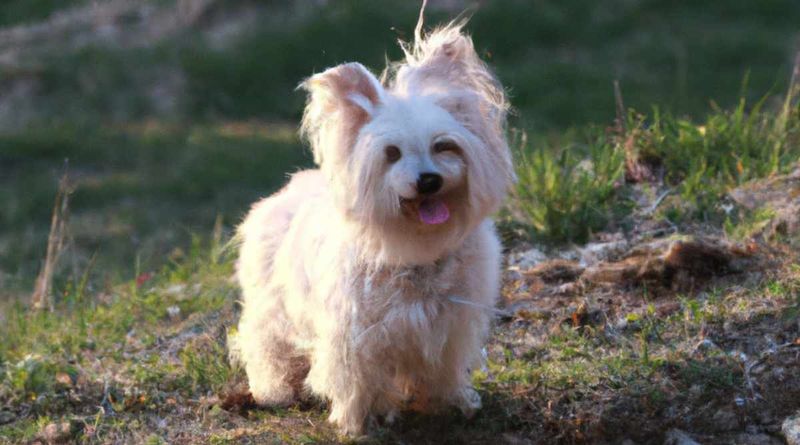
267, 224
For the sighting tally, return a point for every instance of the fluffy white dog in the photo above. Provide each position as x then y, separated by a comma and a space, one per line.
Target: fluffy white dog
371, 280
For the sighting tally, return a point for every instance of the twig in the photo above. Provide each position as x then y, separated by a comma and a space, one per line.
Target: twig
764, 356
652, 208
42, 297
621, 124
794, 82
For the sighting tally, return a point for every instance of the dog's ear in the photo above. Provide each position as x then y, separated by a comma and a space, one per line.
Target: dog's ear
341, 100
444, 65
444, 62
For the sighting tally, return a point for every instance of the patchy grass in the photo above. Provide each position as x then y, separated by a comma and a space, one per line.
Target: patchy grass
647, 364
135, 347
703, 162
568, 189
136, 204
566, 192
558, 59
18, 12
135, 350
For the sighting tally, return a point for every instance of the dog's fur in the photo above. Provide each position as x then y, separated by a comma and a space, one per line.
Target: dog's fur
340, 270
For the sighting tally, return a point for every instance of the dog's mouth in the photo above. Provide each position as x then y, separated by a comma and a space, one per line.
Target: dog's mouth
431, 210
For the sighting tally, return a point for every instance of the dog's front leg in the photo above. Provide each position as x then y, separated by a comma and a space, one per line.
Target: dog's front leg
337, 374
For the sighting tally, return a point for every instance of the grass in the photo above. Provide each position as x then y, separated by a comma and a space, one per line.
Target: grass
150, 175
582, 381
558, 60
113, 350
141, 200
20, 12
569, 189
565, 193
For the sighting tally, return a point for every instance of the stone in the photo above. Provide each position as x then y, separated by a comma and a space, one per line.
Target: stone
63, 432
678, 437
725, 420
526, 260
791, 429
756, 439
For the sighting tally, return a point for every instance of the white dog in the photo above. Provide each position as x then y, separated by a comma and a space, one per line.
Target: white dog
379, 270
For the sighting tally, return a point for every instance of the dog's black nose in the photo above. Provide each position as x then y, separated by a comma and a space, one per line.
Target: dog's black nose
429, 183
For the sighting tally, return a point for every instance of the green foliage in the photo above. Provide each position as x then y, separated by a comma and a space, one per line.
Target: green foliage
39, 344
568, 190
205, 365
566, 193
29, 377
745, 224
703, 162
557, 58
21, 12
153, 182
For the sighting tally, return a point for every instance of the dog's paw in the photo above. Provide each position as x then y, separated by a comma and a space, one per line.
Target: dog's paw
273, 395
469, 401
349, 425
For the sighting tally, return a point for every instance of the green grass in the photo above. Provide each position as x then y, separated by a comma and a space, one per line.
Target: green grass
557, 58
22, 12
568, 188
122, 331
566, 192
150, 177
140, 189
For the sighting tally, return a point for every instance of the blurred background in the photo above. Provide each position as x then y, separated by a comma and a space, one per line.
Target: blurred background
175, 115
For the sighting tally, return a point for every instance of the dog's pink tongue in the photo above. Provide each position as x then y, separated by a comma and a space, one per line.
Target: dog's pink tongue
433, 211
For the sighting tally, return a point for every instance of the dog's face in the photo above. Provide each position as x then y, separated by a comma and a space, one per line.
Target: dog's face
413, 156
425, 154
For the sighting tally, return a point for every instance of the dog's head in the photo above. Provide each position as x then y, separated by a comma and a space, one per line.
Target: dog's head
421, 156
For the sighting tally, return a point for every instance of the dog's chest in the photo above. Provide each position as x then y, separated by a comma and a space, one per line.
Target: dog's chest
404, 315
407, 284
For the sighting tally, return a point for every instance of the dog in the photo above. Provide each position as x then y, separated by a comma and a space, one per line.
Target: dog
370, 281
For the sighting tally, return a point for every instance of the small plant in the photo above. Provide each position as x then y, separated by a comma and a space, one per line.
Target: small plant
205, 365
730, 148
564, 194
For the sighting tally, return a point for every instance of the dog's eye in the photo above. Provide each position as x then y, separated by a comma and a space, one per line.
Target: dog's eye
443, 146
393, 154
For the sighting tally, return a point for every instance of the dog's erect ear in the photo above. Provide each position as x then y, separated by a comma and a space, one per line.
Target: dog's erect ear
341, 100
444, 65
445, 62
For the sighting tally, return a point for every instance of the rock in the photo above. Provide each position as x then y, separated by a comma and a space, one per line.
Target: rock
6, 417
791, 429
513, 439
556, 271
63, 432
755, 439
64, 379
526, 260
678, 437
706, 347
668, 262
175, 289
725, 420
173, 312
593, 253
781, 195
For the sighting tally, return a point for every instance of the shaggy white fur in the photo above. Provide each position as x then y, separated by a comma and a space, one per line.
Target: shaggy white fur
361, 269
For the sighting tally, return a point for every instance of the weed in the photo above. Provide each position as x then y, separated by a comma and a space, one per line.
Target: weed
566, 193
